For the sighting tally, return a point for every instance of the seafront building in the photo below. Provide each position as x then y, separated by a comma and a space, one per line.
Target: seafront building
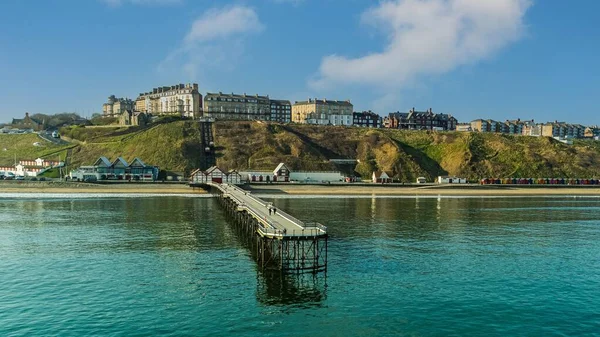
420, 120
116, 106
237, 107
180, 99
558, 130
246, 107
323, 112
119, 169
281, 111
367, 119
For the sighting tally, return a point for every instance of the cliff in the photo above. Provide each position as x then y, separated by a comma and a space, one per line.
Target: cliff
405, 154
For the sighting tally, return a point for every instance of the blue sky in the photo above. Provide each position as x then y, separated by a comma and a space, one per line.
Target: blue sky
500, 59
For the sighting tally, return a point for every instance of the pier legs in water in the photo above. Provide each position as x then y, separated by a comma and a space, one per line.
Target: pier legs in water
288, 253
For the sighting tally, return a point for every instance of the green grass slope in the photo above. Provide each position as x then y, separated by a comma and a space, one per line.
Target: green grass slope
173, 146
176, 146
21, 147
405, 154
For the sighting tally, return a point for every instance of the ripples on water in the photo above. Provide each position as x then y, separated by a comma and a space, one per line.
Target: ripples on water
123, 266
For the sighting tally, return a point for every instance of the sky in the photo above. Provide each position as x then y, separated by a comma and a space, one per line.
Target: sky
498, 59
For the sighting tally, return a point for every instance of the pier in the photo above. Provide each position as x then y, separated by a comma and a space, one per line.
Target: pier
277, 239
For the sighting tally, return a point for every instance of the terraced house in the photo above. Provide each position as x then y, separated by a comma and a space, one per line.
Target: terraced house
323, 112
180, 99
238, 107
116, 106
420, 120
563, 130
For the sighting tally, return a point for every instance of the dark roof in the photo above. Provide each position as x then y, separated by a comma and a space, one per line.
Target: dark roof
232, 95
324, 101
281, 101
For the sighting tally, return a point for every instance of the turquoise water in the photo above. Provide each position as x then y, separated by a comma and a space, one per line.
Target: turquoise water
173, 266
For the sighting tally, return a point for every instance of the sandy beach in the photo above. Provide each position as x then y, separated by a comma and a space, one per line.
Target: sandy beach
74, 187
296, 189
467, 190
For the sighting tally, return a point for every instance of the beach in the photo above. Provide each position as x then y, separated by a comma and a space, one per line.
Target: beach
299, 189
77, 187
466, 190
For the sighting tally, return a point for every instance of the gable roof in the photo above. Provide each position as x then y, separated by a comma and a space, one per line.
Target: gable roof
102, 161
137, 162
121, 161
381, 174
195, 171
280, 166
212, 169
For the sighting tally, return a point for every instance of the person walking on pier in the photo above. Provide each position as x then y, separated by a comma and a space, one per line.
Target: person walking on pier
274, 210
269, 211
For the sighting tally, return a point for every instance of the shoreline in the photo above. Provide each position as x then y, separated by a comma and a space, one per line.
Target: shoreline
302, 190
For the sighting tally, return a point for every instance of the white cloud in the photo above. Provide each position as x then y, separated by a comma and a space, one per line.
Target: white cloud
427, 37
223, 23
215, 40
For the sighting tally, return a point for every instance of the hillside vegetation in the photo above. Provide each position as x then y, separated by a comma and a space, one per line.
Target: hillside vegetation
20, 147
406, 155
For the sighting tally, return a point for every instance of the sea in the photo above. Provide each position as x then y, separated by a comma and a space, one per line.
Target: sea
154, 265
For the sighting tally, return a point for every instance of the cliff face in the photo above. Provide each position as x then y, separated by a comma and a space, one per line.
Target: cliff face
405, 154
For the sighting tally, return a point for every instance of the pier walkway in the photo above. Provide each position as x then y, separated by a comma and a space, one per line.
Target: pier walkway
281, 240
274, 224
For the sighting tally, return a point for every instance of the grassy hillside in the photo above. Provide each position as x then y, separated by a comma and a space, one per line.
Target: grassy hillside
406, 155
21, 146
173, 146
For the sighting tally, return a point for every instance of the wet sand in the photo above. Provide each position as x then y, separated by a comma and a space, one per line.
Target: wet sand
467, 190
73, 187
297, 189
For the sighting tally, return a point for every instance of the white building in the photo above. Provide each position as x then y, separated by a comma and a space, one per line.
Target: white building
451, 180
180, 99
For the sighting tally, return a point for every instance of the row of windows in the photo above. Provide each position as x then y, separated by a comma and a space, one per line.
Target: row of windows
231, 100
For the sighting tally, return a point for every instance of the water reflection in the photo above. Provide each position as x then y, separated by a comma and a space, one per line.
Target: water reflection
293, 290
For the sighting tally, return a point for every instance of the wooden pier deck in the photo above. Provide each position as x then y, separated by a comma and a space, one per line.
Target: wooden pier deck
277, 223
281, 240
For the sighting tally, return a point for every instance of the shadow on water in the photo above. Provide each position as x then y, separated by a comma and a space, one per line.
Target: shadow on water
300, 290
276, 288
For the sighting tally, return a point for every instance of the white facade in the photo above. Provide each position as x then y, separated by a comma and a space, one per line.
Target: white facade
451, 180
307, 176
181, 99
331, 120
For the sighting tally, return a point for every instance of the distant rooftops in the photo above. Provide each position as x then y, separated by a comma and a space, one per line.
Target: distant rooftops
324, 101
180, 86
236, 96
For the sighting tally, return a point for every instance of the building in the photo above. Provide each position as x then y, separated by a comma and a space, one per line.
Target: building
451, 180
116, 106
31, 168
464, 127
180, 99
215, 175
591, 132
420, 120
283, 174
530, 128
119, 169
562, 130
281, 111
133, 118
323, 112
381, 177
238, 107
367, 119
28, 123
